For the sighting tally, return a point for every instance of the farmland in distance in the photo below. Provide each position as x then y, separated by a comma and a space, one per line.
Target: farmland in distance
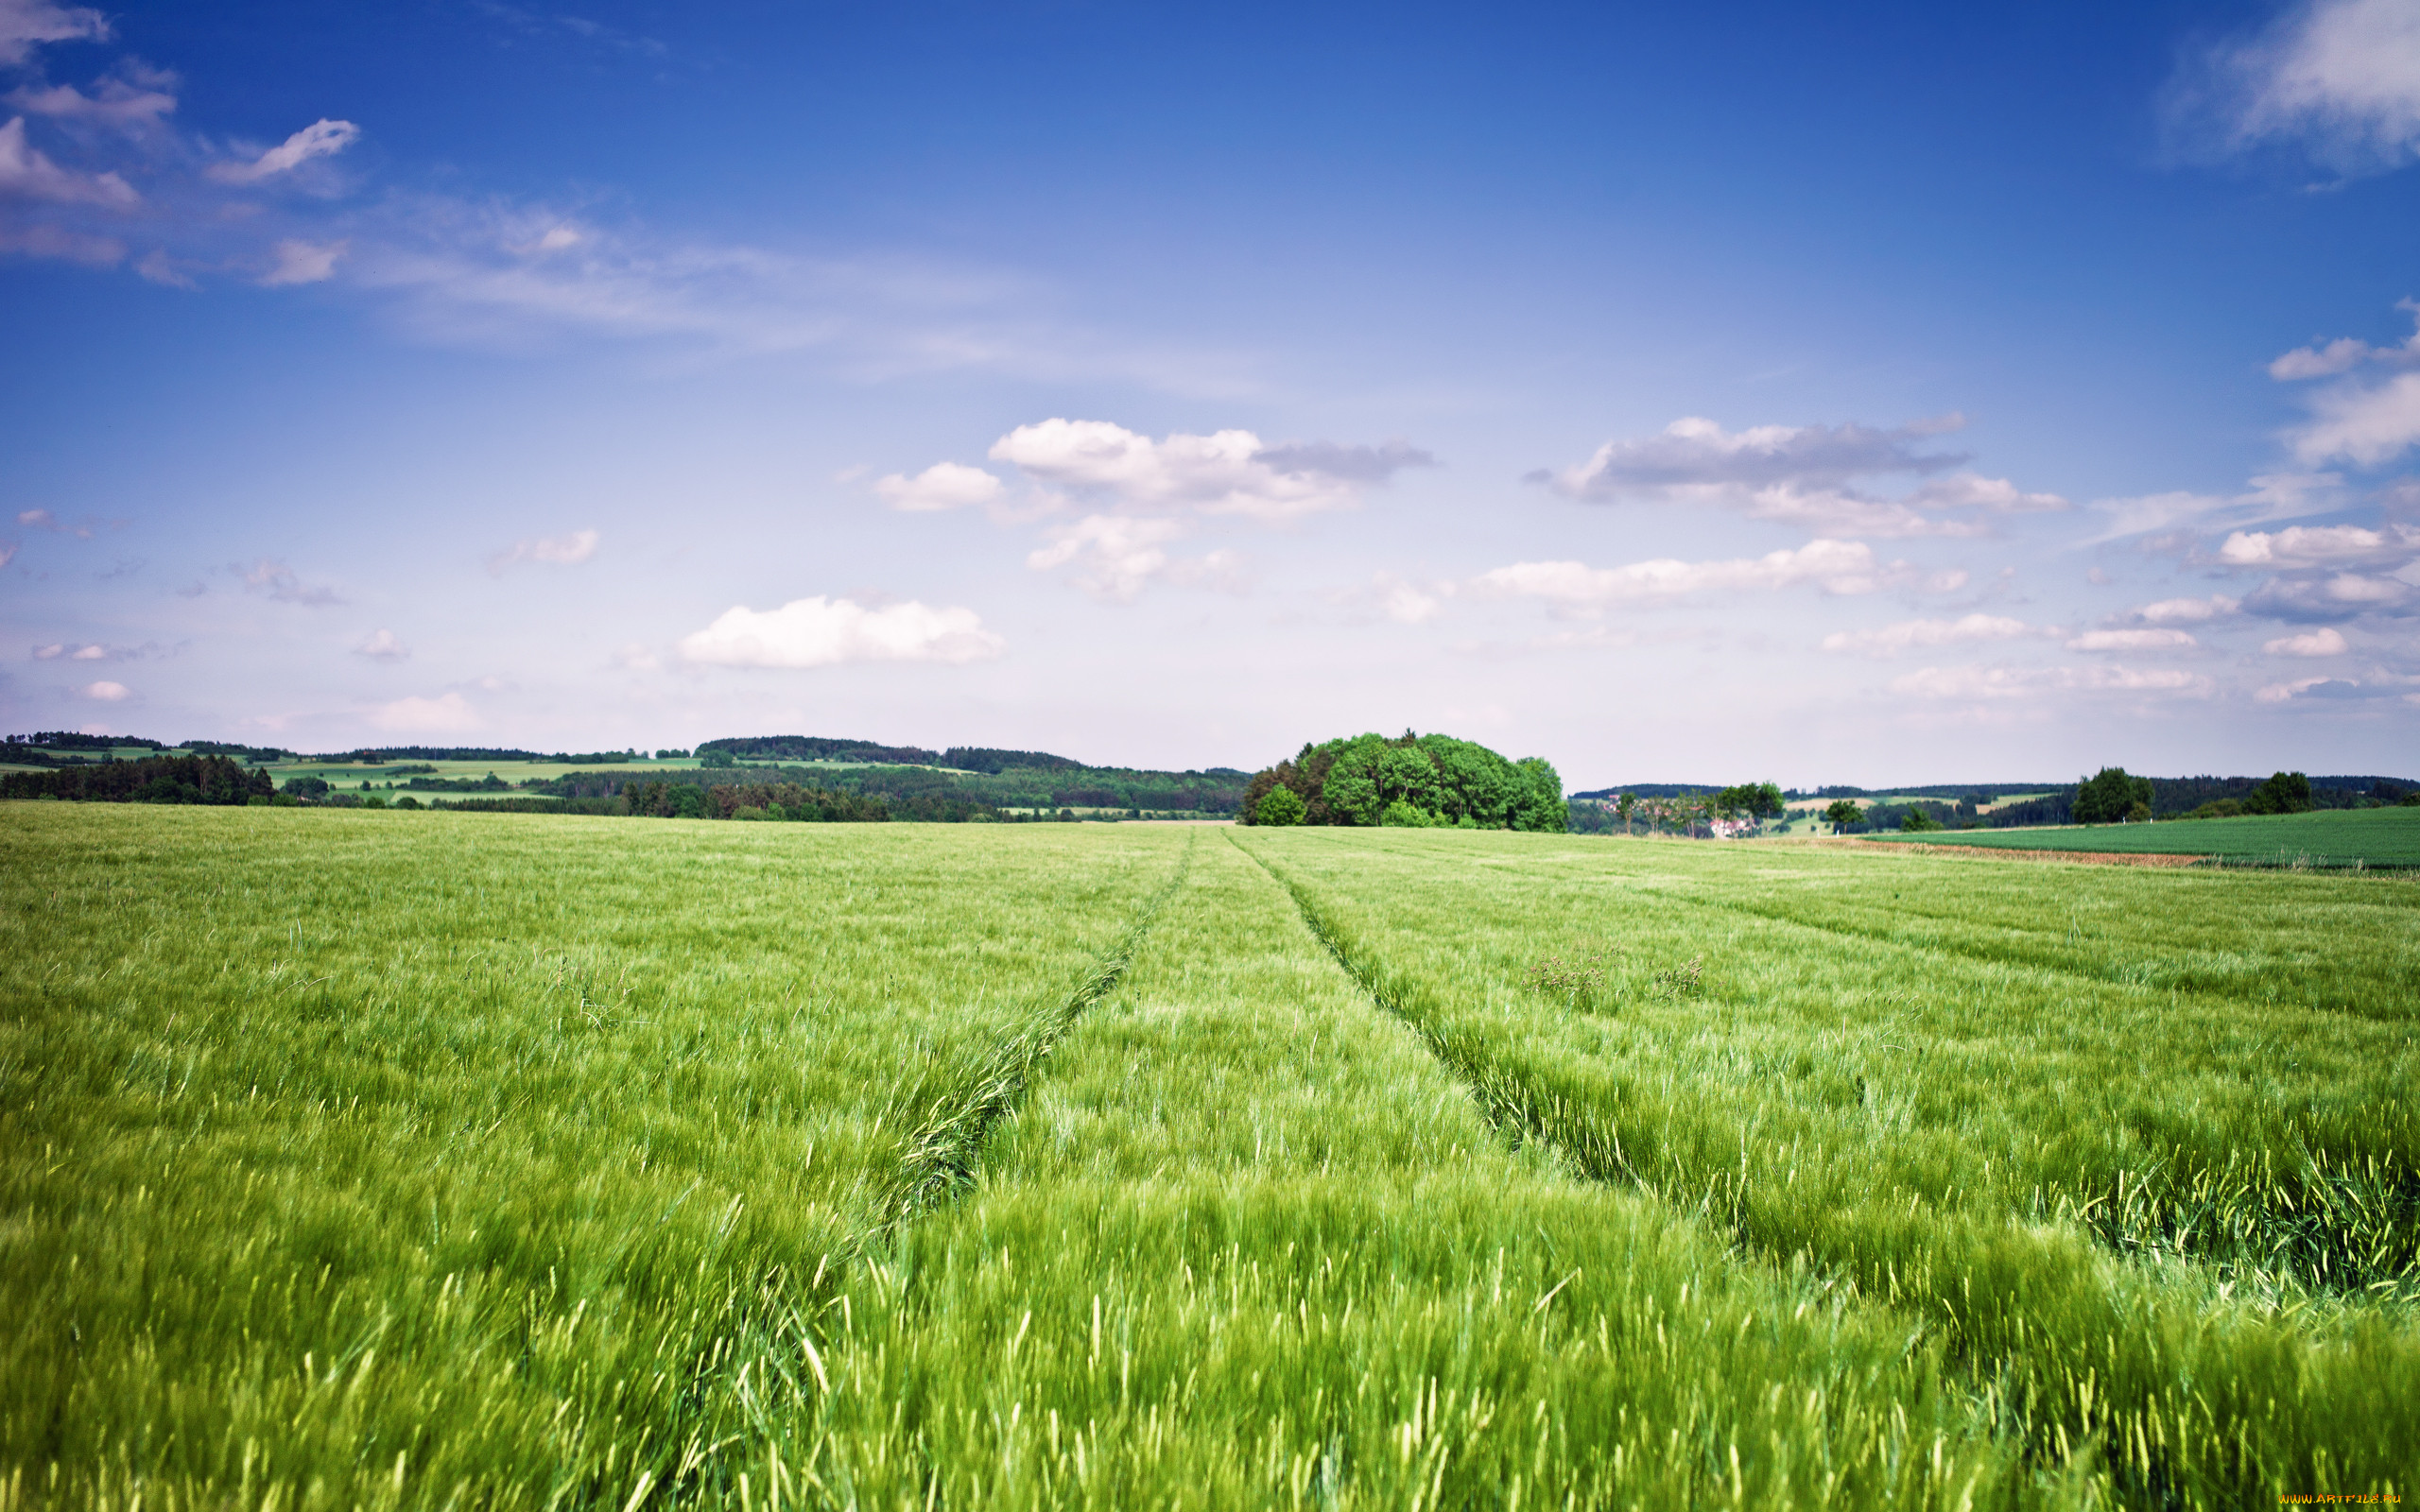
369, 1159
2340, 837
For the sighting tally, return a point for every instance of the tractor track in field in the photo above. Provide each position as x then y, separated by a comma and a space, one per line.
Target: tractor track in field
943, 1155
1592, 1149
1507, 1101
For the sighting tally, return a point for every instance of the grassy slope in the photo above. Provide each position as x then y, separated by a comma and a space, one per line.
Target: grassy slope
2336, 837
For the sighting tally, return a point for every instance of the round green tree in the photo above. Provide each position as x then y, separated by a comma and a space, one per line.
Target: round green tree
1279, 805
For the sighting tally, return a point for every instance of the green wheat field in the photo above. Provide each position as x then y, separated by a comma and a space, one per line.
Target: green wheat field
356, 1158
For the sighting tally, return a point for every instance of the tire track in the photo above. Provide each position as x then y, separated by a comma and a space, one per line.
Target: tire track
943, 1153
2061, 1362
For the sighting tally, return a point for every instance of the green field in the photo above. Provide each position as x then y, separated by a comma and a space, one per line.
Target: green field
369, 1159
2340, 837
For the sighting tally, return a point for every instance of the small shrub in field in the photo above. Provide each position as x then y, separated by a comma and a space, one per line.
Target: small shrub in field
1681, 981
1281, 806
1571, 977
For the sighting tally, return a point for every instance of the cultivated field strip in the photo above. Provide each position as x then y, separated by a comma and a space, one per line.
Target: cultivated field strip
357, 1158
1245, 1243
1931, 1129
2274, 939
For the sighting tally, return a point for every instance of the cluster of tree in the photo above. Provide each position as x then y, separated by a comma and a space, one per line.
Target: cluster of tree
816, 748
1670, 806
2283, 793
151, 779
490, 784
2111, 796
1413, 780
992, 763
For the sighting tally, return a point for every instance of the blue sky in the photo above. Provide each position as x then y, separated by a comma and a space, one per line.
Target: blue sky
1900, 394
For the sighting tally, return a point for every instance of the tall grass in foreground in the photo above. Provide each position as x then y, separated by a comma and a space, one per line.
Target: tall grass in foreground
1246, 1243
361, 1159
1936, 1132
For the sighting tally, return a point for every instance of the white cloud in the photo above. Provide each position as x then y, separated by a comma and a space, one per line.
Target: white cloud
2339, 79
818, 633
1895, 639
49, 653
2316, 546
321, 139
1979, 683
2319, 362
1801, 475
1842, 567
2327, 640
2362, 424
1117, 556
303, 262
2280, 692
127, 104
1403, 603
448, 713
941, 485
2150, 640
89, 653
25, 24
1224, 473
2330, 596
2186, 611
275, 581
562, 551
26, 173
384, 645
106, 692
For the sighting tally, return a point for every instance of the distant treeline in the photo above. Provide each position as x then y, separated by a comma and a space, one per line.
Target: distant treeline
672, 798
915, 792
379, 756
990, 762
151, 779
816, 749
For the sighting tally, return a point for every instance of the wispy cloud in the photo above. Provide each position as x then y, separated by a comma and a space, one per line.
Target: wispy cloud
1836, 567
1969, 684
25, 24
562, 551
382, 645
1803, 476
1225, 472
274, 580
2337, 81
322, 138
1908, 635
